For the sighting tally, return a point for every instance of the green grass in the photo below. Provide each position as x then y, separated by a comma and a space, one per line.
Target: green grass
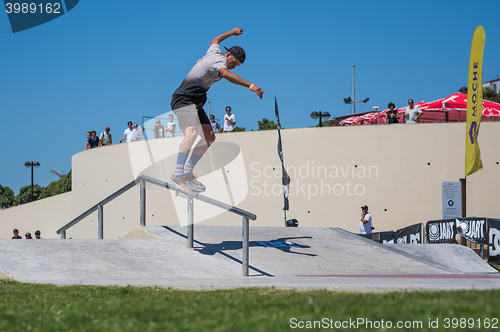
31, 307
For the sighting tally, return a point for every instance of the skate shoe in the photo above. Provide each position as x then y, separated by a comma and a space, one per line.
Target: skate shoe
193, 183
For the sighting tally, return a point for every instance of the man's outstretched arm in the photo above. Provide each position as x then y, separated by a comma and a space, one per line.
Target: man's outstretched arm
233, 78
234, 32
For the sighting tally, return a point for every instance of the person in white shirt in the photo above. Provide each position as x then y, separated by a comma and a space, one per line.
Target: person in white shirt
170, 130
138, 135
229, 120
128, 135
412, 112
365, 225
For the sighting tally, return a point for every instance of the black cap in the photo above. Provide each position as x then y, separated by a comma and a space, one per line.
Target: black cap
365, 207
237, 52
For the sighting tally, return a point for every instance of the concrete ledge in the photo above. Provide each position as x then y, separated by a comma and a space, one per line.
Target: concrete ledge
5, 276
139, 233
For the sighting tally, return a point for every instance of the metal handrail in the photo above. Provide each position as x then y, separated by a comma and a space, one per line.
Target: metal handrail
94, 208
99, 207
203, 198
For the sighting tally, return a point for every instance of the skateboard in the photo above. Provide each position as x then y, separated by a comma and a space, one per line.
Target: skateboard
181, 192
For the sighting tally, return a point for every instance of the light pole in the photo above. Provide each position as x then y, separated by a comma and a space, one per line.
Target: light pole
348, 100
320, 115
32, 164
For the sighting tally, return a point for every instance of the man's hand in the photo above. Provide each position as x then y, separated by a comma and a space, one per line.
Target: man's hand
258, 91
237, 31
221, 38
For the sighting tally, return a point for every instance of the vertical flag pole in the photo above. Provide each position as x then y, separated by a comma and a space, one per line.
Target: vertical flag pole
285, 177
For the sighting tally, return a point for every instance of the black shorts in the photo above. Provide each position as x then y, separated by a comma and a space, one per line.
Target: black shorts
189, 110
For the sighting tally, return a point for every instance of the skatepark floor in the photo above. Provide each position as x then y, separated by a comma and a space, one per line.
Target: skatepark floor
285, 258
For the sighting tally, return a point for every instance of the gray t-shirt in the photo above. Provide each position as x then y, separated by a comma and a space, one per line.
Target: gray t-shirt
413, 112
201, 77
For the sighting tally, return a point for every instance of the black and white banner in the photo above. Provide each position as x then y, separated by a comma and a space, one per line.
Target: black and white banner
381, 237
411, 234
473, 229
441, 231
494, 241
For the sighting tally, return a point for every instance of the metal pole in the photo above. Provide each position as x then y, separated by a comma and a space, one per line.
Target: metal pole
246, 244
320, 119
463, 184
190, 229
32, 181
142, 203
424, 235
100, 222
353, 92
63, 235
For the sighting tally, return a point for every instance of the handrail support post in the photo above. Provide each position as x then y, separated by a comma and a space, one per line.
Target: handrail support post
246, 245
143, 202
100, 221
190, 230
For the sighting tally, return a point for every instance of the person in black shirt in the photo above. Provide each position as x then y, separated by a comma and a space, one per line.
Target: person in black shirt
392, 115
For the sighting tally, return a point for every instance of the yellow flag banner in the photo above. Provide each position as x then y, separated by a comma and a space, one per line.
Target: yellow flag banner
473, 161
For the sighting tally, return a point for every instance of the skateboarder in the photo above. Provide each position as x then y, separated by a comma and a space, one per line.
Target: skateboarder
187, 104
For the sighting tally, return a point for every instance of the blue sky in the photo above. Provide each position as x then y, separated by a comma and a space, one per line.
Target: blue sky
107, 62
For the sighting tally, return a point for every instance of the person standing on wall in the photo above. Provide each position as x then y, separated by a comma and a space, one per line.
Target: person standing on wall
229, 120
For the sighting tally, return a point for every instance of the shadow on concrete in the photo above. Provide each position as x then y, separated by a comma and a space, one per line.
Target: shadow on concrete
233, 246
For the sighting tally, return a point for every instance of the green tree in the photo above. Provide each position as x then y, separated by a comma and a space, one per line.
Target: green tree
57, 187
24, 195
6, 197
239, 129
325, 123
266, 124
491, 95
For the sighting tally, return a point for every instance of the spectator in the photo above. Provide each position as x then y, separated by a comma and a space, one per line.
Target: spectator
392, 116
229, 120
87, 144
159, 129
28, 236
16, 234
170, 130
138, 135
37, 235
105, 139
365, 225
412, 112
128, 135
215, 124
93, 140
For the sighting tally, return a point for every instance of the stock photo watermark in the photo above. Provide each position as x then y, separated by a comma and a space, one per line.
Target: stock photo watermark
311, 180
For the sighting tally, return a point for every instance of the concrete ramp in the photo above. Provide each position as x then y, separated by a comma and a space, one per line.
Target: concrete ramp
454, 256
281, 251
160, 257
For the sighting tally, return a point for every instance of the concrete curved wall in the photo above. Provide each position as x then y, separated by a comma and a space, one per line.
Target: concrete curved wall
396, 170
